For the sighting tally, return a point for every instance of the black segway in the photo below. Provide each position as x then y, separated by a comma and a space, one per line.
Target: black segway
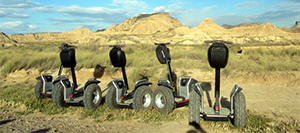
166, 96
118, 95
43, 87
66, 92
218, 56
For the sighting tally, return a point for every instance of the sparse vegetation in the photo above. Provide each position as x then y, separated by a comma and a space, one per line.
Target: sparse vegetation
20, 95
143, 64
142, 57
140, 16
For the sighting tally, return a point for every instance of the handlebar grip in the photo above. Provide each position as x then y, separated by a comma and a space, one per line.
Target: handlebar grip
65, 45
208, 41
218, 41
116, 46
162, 43
228, 42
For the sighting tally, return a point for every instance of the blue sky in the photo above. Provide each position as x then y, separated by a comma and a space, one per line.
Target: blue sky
32, 16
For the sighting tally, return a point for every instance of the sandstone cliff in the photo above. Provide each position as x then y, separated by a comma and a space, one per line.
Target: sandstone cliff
6, 41
149, 28
146, 24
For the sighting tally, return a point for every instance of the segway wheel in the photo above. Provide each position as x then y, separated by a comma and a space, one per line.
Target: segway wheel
194, 107
38, 90
92, 96
110, 98
163, 100
58, 96
239, 107
142, 99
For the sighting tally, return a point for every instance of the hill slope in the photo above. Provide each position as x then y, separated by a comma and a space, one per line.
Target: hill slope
6, 41
146, 24
149, 28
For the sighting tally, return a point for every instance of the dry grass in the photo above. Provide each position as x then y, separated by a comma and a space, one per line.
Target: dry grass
143, 62
21, 96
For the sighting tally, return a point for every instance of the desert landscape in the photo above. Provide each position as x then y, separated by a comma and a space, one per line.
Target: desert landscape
264, 60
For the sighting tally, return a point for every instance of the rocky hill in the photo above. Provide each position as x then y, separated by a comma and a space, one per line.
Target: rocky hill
6, 41
240, 25
294, 29
212, 29
77, 35
146, 24
149, 28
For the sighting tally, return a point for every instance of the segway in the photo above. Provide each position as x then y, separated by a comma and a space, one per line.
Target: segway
166, 97
65, 92
117, 95
218, 56
43, 87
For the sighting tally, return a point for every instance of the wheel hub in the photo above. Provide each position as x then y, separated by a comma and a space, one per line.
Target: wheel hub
146, 101
96, 96
160, 100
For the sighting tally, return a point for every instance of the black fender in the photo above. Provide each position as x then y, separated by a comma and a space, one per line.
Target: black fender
39, 78
194, 87
192, 83
110, 84
91, 82
165, 84
143, 83
56, 80
60, 79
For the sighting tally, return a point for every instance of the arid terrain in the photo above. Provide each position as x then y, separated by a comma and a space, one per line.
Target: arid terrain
158, 27
270, 77
273, 95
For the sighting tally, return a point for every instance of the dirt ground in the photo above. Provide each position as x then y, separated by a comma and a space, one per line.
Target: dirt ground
12, 122
275, 95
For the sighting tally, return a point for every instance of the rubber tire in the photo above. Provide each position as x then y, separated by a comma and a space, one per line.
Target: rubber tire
139, 96
168, 97
38, 90
110, 98
239, 107
58, 96
88, 96
194, 107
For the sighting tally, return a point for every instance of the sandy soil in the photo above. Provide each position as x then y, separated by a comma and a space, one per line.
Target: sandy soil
12, 122
275, 95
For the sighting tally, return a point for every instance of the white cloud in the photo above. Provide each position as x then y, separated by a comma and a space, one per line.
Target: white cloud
11, 24
78, 19
277, 15
248, 5
131, 7
108, 15
12, 15
16, 8
114, 5
13, 27
18, 4
32, 27
188, 16
132, 4
159, 9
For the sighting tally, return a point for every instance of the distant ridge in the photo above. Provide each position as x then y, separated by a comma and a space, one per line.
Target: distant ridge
150, 28
259, 30
6, 40
146, 24
240, 25
211, 28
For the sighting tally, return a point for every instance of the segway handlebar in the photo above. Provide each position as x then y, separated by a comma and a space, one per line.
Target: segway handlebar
116, 46
218, 41
162, 43
65, 45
